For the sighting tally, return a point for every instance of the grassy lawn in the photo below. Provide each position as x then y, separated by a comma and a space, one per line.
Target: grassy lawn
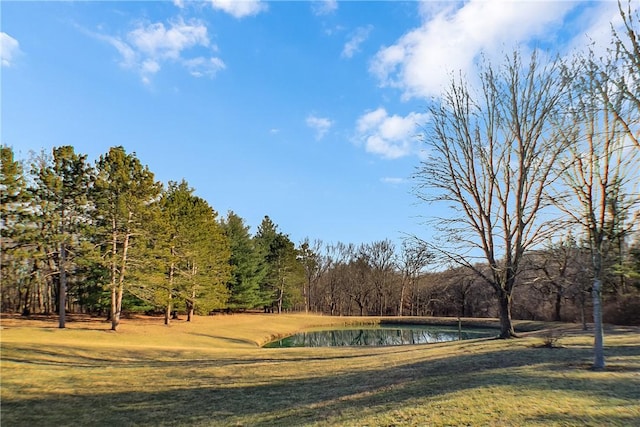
213, 373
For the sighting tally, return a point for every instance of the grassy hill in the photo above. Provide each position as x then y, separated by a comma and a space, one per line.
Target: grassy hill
212, 372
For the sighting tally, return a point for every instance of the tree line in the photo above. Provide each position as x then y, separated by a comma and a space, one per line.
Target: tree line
538, 165
108, 238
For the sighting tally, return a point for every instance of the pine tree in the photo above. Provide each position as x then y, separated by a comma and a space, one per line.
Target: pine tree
15, 217
63, 186
193, 253
247, 271
284, 277
123, 191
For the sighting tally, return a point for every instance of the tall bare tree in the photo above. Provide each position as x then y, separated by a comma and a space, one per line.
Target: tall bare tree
491, 156
602, 173
621, 69
382, 262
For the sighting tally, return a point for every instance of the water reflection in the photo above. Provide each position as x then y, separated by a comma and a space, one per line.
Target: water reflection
379, 336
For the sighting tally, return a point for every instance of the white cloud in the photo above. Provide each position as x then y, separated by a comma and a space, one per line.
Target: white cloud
450, 39
390, 137
157, 41
148, 46
240, 8
324, 7
320, 124
9, 49
150, 66
201, 66
179, 3
357, 38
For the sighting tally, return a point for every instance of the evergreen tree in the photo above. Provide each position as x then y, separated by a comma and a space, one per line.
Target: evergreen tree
284, 277
123, 191
247, 270
207, 270
62, 186
15, 217
193, 253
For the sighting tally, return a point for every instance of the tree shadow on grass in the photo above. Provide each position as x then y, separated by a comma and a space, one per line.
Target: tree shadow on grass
273, 401
231, 341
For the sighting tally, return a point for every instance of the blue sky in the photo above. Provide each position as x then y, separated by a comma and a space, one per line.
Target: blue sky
306, 111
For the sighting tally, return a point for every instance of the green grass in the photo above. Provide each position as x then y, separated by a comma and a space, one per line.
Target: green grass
213, 373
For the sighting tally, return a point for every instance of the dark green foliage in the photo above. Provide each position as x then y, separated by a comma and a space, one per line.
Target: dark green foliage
193, 253
247, 269
284, 279
15, 261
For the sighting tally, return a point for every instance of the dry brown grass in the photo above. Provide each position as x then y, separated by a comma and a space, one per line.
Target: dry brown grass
212, 372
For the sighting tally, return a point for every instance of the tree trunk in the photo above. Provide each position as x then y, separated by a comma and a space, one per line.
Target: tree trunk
25, 303
115, 318
191, 307
506, 326
114, 305
50, 281
114, 275
598, 346
558, 305
62, 298
39, 300
281, 295
167, 311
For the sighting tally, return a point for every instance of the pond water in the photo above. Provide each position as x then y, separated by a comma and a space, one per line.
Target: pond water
384, 335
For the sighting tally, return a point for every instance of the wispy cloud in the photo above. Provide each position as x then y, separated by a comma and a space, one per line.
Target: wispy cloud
359, 36
201, 66
321, 125
240, 8
392, 180
149, 45
9, 49
451, 39
324, 7
390, 137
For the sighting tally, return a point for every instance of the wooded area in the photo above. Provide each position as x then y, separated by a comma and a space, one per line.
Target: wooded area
540, 166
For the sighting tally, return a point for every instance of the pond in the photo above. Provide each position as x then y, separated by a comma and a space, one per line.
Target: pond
383, 335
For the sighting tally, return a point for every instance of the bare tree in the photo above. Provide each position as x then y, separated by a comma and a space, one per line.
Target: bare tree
621, 69
602, 174
337, 279
555, 270
492, 153
382, 260
413, 259
358, 279
315, 265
